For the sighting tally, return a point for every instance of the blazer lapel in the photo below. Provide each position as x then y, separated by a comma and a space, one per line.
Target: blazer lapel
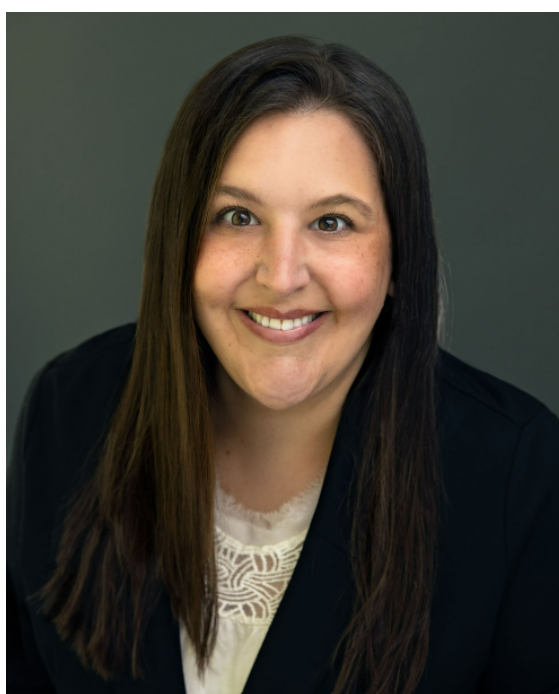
316, 606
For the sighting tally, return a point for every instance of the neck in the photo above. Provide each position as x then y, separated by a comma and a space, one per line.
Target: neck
261, 453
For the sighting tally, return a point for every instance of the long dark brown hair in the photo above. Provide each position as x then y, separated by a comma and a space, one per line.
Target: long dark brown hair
149, 503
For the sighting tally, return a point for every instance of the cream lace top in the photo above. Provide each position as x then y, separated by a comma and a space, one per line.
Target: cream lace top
256, 554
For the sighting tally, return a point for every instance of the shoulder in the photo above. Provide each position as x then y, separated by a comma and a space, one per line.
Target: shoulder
90, 369
60, 427
500, 460
467, 391
70, 399
490, 429
65, 412
90, 366
110, 345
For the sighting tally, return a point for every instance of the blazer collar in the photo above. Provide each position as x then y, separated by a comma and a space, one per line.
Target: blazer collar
318, 601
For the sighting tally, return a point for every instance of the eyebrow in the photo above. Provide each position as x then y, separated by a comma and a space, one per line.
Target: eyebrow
338, 199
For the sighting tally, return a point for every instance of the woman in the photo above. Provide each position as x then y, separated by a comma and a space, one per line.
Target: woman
277, 481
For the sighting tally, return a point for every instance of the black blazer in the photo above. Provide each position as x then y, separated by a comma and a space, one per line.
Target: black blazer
495, 615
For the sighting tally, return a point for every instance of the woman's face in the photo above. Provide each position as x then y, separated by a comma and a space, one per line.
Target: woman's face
281, 248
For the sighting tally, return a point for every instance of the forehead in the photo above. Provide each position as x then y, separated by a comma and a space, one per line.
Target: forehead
302, 155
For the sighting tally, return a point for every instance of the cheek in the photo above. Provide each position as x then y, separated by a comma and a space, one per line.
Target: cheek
359, 284
217, 274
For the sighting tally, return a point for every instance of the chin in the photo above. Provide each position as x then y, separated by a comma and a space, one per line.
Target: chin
280, 398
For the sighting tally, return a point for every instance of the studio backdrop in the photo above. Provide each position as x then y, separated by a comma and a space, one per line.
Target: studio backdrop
90, 101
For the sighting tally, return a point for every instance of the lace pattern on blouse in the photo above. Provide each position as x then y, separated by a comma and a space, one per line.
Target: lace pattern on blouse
251, 579
295, 506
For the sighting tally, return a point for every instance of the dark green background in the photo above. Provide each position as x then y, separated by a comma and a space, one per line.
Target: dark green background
90, 101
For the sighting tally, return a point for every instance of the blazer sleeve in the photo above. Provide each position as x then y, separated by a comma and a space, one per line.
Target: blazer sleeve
25, 670
525, 649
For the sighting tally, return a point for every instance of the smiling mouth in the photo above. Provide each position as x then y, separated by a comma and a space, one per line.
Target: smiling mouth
276, 324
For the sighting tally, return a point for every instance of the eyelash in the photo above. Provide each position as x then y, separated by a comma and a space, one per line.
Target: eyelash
350, 225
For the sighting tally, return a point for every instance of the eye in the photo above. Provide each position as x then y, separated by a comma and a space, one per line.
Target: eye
235, 216
329, 224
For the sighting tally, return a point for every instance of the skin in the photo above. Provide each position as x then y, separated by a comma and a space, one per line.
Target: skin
277, 406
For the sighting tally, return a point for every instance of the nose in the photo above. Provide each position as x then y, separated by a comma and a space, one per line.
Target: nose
282, 260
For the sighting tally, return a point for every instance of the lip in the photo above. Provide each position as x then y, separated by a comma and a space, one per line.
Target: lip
288, 315
283, 336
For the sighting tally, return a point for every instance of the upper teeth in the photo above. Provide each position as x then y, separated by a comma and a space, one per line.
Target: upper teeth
277, 324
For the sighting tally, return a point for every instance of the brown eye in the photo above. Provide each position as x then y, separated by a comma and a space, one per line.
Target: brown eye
240, 218
334, 224
328, 224
235, 217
